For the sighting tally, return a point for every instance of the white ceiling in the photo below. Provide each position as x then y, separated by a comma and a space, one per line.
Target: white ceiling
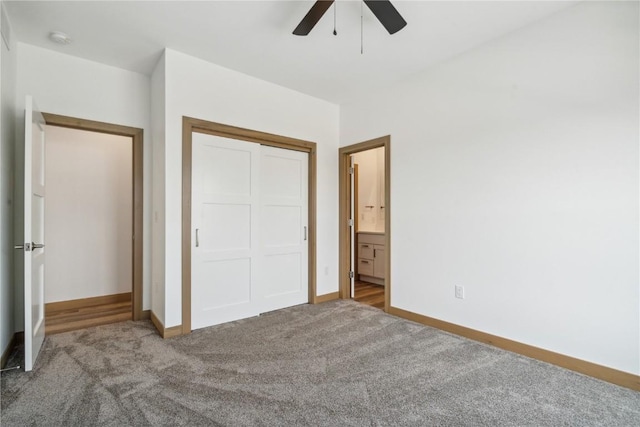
254, 37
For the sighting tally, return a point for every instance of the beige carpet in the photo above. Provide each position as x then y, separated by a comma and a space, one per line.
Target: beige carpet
333, 364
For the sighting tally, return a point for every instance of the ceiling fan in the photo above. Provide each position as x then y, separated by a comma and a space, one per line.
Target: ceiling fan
382, 9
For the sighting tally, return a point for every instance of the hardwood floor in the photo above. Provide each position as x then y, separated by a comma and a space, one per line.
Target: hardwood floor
79, 318
370, 294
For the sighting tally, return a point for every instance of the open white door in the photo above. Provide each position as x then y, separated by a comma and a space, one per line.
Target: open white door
33, 247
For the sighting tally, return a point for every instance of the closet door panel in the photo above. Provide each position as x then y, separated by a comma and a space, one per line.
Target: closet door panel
284, 243
225, 230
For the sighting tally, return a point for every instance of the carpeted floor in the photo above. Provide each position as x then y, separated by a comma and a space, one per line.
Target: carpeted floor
333, 364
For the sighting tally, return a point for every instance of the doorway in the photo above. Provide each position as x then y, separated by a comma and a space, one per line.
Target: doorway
100, 217
365, 231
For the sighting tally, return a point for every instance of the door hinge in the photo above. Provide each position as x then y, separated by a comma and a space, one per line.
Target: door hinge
351, 275
350, 222
351, 171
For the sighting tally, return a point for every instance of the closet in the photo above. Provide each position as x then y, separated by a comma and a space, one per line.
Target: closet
89, 204
249, 224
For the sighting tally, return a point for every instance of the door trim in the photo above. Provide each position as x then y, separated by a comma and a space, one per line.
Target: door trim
190, 125
136, 135
344, 201
356, 216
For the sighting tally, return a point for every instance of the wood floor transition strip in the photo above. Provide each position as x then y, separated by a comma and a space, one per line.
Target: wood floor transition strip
369, 294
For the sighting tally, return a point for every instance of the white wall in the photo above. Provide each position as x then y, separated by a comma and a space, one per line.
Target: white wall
7, 148
206, 91
88, 219
370, 189
515, 173
70, 86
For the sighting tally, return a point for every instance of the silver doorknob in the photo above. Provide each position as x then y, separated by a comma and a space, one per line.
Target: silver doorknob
37, 245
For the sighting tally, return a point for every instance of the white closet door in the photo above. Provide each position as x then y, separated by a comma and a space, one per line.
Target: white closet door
284, 201
225, 240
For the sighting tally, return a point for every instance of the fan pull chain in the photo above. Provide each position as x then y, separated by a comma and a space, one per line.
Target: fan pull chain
361, 28
335, 8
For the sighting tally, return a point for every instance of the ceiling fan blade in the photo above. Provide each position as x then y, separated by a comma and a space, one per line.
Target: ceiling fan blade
312, 17
387, 15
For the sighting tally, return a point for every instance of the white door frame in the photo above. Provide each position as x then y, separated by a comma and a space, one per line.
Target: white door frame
190, 125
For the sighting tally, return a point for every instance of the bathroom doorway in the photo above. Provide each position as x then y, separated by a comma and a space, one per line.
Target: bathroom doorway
365, 222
